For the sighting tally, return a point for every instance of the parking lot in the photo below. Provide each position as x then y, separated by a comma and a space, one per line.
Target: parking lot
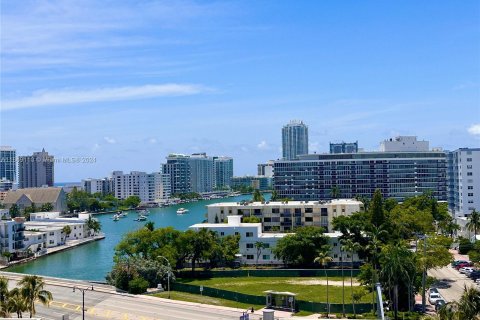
451, 282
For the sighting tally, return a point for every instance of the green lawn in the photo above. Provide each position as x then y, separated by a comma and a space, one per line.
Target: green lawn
304, 290
183, 296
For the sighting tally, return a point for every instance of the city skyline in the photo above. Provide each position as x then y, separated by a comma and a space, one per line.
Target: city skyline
128, 89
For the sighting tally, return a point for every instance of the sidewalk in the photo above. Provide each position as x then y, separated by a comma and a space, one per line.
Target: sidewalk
74, 243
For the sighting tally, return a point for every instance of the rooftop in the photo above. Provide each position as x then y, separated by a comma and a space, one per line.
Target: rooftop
289, 203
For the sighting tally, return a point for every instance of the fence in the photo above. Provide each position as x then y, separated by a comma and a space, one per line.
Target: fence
266, 273
260, 300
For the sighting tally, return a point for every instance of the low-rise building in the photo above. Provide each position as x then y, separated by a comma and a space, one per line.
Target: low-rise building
285, 216
38, 196
35, 241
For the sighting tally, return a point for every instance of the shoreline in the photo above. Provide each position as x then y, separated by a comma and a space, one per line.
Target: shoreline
67, 246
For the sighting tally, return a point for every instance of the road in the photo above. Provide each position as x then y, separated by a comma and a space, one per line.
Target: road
105, 303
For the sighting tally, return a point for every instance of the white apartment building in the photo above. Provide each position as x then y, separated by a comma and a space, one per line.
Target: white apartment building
35, 241
11, 235
404, 144
463, 181
285, 216
103, 186
149, 187
266, 169
250, 233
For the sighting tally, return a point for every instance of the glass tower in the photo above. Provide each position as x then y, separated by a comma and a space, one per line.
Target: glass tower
294, 140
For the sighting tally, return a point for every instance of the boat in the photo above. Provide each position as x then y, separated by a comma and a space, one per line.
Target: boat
141, 218
116, 217
182, 211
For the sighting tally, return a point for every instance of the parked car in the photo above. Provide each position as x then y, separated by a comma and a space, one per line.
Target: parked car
464, 270
469, 271
434, 297
432, 290
457, 262
462, 265
478, 281
474, 275
440, 303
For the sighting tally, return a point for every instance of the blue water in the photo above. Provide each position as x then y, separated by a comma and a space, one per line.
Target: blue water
94, 260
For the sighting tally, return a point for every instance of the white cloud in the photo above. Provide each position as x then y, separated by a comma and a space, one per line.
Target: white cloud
66, 97
110, 140
474, 129
263, 145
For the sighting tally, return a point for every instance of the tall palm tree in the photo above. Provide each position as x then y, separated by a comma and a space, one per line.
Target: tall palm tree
374, 245
3, 289
17, 302
469, 304
323, 259
474, 222
352, 247
32, 290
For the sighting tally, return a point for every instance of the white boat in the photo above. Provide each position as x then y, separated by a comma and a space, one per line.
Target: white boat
182, 211
141, 218
116, 217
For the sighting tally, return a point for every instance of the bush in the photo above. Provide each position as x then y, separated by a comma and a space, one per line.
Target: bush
464, 246
137, 286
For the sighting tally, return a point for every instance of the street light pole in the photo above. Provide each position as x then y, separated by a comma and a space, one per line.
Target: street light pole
83, 298
424, 275
168, 274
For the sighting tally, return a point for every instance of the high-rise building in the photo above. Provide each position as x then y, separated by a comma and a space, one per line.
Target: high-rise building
223, 172
147, 186
463, 181
261, 183
8, 163
178, 167
265, 169
201, 173
103, 186
294, 140
344, 147
397, 174
403, 144
36, 170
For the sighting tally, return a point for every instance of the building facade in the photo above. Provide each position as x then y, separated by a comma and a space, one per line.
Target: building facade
23, 198
147, 186
344, 147
404, 144
178, 168
223, 172
266, 169
256, 182
36, 171
201, 173
286, 216
11, 235
103, 186
8, 163
463, 181
397, 174
294, 140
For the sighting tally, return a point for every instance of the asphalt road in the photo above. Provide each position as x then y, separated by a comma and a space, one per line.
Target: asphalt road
103, 303
451, 282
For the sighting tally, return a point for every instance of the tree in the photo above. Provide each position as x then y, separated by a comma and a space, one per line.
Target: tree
67, 230
16, 302
335, 192
352, 247
199, 244
150, 225
259, 246
32, 288
301, 248
93, 224
323, 259
274, 196
137, 285
469, 304
474, 222
376, 208
257, 196
14, 211
132, 201
46, 207
3, 289
251, 219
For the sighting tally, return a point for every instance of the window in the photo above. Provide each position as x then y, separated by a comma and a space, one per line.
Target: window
51, 241
470, 194
308, 219
335, 255
249, 245
298, 210
275, 210
221, 211
469, 159
267, 219
249, 256
470, 187
308, 210
51, 233
266, 245
222, 233
249, 234
266, 257
335, 244
236, 233
469, 173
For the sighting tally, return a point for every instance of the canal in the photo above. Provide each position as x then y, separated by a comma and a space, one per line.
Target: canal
94, 260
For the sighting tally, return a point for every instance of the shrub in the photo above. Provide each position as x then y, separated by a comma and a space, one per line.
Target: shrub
137, 285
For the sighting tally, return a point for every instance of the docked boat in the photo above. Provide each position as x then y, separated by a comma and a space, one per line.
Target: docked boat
182, 211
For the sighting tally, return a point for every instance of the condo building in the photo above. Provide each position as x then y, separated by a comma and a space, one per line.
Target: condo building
201, 173
286, 216
266, 169
36, 170
463, 181
149, 187
294, 140
223, 172
103, 186
8, 164
178, 168
344, 147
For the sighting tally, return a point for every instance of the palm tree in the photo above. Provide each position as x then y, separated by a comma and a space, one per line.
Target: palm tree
259, 245
352, 247
150, 225
335, 192
17, 302
469, 304
375, 234
257, 196
93, 224
474, 222
3, 289
67, 230
323, 259
32, 290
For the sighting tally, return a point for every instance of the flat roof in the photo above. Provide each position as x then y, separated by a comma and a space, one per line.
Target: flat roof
289, 203
224, 225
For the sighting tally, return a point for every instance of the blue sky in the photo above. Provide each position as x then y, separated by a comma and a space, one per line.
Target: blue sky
128, 82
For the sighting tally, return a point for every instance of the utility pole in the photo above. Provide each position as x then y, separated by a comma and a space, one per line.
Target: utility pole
83, 290
424, 275
168, 275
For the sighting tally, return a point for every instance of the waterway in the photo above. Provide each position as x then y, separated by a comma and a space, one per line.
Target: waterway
94, 260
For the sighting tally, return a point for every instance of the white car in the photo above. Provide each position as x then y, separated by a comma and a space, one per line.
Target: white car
478, 281
434, 297
464, 270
